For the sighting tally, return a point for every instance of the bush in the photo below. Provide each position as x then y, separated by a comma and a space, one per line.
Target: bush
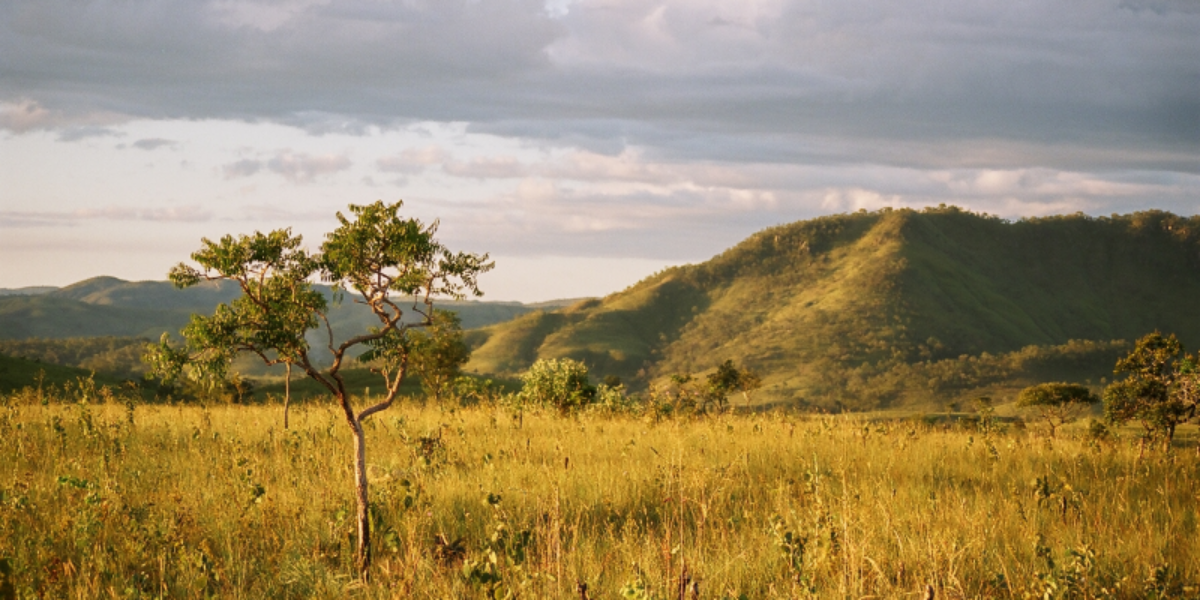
561, 383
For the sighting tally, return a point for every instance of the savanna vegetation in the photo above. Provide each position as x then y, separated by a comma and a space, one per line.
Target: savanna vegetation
102, 496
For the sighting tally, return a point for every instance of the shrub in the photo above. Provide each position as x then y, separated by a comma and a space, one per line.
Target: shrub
1057, 403
561, 383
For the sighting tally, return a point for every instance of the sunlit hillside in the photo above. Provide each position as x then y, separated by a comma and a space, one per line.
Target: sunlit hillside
895, 307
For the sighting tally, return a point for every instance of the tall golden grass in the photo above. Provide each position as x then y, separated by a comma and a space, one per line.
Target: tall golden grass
113, 501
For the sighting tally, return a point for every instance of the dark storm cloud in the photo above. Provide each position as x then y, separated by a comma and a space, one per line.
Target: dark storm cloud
1092, 85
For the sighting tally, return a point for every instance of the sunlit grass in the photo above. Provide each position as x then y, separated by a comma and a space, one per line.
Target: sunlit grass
190, 502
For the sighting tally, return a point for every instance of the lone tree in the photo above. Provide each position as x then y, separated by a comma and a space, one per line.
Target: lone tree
438, 353
728, 379
1161, 387
377, 255
1057, 403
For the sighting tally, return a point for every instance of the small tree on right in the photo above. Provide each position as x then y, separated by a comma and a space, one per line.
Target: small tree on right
1057, 403
438, 353
1159, 389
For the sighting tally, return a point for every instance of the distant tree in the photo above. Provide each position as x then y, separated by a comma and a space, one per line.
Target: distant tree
1057, 403
438, 352
1160, 388
375, 253
562, 383
729, 379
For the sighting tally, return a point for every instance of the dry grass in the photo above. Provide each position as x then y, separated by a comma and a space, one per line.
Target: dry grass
190, 502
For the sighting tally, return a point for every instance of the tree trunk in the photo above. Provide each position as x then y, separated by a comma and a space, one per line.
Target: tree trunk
287, 395
362, 555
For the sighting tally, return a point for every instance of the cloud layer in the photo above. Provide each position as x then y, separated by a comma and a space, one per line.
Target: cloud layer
889, 81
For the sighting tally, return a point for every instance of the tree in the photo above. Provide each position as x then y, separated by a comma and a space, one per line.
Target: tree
377, 255
439, 352
1057, 403
561, 383
728, 379
1160, 387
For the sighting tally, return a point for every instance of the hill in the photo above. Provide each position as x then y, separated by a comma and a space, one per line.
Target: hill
107, 306
103, 323
891, 308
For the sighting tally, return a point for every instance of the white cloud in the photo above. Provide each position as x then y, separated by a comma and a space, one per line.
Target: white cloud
413, 160
296, 167
53, 218
305, 168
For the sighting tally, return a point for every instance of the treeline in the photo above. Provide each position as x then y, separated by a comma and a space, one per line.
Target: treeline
896, 382
117, 356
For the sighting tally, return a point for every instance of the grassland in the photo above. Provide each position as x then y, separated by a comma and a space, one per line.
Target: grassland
114, 499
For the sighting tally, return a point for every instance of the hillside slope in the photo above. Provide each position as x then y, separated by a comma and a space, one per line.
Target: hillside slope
895, 307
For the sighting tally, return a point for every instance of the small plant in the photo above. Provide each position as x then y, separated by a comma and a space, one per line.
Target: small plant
500, 572
438, 353
791, 546
637, 588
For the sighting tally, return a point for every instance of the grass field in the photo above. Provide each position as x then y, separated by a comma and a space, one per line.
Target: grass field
147, 501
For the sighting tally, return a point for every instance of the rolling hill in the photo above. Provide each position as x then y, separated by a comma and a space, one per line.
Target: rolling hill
107, 306
890, 308
103, 322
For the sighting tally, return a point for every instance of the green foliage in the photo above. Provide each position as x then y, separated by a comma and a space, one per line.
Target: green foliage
559, 383
1159, 388
438, 352
887, 309
728, 379
377, 254
1057, 403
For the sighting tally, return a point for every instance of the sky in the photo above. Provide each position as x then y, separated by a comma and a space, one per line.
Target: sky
583, 144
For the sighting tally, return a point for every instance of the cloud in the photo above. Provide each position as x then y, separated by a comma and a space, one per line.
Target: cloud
305, 168
24, 115
241, 168
154, 143
1111, 82
296, 167
82, 132
413, 160
493, 167
178, 214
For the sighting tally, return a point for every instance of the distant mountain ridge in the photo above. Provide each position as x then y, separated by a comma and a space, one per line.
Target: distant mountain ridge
108, 306
895, 307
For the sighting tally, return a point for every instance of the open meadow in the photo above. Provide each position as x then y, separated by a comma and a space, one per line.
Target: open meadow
116, 500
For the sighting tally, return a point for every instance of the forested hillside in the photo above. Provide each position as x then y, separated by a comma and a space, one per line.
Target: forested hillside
896, 307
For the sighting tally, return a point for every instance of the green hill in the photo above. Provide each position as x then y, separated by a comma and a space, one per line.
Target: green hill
896, 307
